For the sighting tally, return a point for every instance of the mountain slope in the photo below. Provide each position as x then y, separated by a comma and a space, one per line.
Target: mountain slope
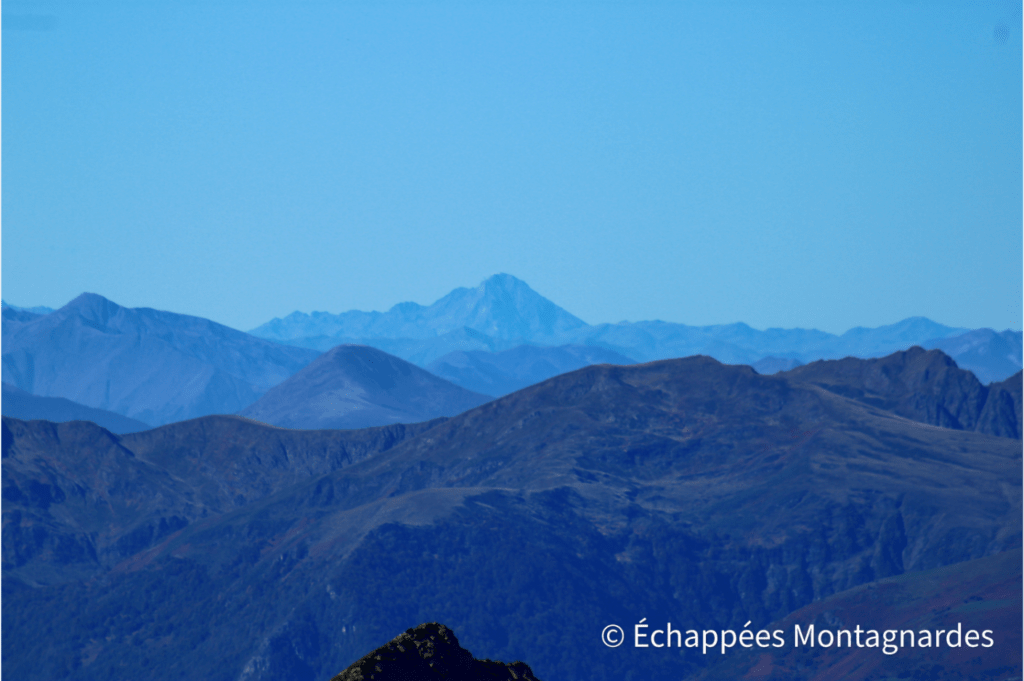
924, 385
27, 407
500, 373
982, 595
153, 366
1003, 414
79, 500
356, 386
682, 491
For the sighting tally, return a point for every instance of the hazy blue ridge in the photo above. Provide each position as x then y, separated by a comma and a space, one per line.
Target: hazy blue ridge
419, 351
865, 342
502, 307
12, 316
501, 373
21, 405
356, 386
159, 367
38, 309
153, 366
767, 366
504, 312
991, 355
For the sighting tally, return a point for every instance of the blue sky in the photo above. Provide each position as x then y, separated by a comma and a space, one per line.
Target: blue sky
812, 164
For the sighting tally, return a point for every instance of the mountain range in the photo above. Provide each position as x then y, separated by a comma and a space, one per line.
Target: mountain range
683, 491
503, 312
502, 308
159, 367
152, 366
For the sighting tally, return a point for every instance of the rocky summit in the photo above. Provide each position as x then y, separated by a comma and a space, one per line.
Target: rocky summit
428, 652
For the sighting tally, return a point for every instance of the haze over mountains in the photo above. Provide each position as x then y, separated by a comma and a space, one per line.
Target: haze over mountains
504, 372
682, 490
500, 314
22, 405
159, 367
503, 312
156, 367
356, 386
37, 310
990, 355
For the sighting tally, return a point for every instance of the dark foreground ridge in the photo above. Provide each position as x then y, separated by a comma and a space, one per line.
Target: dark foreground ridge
429, 652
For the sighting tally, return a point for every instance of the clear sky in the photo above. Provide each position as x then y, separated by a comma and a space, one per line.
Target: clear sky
816, 164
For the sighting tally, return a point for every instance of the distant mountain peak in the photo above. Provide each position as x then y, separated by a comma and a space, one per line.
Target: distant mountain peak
407, 307
911, 326
505, 307
88, 299
368, 358
504, 281
503, 312
149, 365
358, 386
92, 307
502, 307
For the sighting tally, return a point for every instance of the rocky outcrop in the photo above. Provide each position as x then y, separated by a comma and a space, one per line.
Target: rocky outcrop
923, 385
430, 652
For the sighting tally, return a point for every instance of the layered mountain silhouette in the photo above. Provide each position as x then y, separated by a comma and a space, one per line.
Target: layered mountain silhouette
21, 405
159, 367
500, 373
741, 344
18, 315
153, 366
502, 307
430, 652
773, 365
683, 491
36, 310
356, 386
990, 355
419, 351
504, 312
